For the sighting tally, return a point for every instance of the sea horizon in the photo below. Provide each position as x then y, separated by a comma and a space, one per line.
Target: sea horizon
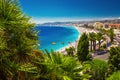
42, 20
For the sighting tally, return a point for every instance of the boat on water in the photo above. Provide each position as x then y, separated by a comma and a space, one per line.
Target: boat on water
53, 43
62, 43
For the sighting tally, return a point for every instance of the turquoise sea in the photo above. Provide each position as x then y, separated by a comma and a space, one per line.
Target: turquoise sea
56, 37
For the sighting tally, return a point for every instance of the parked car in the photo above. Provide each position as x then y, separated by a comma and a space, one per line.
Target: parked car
102, 52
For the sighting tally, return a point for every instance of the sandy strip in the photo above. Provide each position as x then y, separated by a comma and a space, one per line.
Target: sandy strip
74, 44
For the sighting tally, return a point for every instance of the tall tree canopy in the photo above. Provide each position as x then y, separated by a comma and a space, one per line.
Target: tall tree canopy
111, 34
17, 38
83, 48
114, 58
99, 38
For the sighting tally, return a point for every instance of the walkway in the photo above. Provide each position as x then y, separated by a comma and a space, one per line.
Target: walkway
102, 57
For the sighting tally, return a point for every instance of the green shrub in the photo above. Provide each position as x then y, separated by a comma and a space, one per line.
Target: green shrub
97, 69
114, 76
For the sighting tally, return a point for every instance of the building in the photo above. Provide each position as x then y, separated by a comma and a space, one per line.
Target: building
98, 25
114, 26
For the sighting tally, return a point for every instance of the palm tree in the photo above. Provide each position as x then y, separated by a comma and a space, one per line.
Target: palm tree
99, 38
58, 67
94, 41
97, 69
17, 38
92, 38
70, 51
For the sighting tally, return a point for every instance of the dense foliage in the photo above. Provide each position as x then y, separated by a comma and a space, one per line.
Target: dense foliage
109, 33
83, 48
114, 58
99, 37
94, 37
20, 59
70, 51
97, 69
59, 66
17, 39
114, 76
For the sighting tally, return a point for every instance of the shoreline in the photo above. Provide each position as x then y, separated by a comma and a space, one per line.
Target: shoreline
75, 43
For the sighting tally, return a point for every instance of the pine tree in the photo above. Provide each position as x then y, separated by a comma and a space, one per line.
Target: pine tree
83, 48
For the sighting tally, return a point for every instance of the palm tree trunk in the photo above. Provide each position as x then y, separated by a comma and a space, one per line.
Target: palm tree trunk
2, 76
99, 44
94, 45
91, 45
111, 38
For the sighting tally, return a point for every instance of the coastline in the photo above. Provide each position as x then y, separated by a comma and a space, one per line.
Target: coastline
75, 43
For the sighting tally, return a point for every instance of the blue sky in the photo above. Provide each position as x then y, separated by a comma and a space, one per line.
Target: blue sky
70, 9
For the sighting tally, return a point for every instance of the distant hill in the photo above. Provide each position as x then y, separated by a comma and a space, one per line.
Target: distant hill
80, 22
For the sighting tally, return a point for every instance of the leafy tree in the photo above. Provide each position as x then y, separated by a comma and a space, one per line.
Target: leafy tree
114, 58
102, 30
104, 46
83, 48
70, 51
111, 34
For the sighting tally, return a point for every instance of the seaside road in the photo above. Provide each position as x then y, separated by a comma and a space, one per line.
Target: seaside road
102, 57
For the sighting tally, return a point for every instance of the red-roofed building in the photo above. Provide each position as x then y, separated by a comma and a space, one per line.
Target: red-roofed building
115, 26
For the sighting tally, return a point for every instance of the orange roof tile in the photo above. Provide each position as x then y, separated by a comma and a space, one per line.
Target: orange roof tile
114, 25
